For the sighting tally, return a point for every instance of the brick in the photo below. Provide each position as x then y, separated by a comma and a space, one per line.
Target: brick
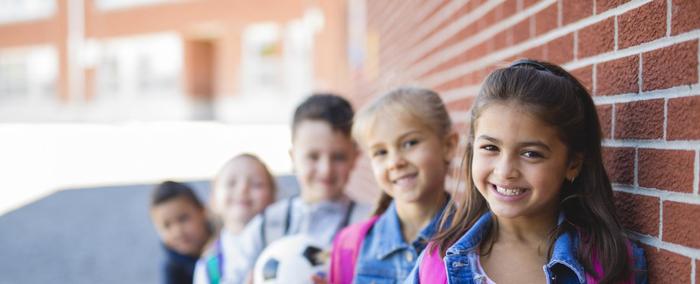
639, 120
605, 119
585, 76
670, 66
574, 10
641, 25
683, 119
521, 31
618, 76
638, 213
597, 38
666, 169
503, 39
486, 20
507, 8
684, 16
546, 20
536, 52
619, 164
561, 50
604, 5
681, 223
528, 3
667, 267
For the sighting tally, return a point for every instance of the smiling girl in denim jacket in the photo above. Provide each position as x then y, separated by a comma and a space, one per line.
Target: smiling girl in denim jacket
538, 206
407, 134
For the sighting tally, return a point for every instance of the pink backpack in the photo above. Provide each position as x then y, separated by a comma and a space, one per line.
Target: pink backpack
432, 268
346, 248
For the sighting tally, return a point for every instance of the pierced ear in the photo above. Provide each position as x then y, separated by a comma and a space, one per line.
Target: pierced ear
575, 165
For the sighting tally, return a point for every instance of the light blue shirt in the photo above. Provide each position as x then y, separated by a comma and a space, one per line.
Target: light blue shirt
385, 257
320, 220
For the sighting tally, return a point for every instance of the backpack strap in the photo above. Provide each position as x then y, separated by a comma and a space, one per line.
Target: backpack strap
214, 264
213, 272
346, 248
271, 229
598, 267
431, 269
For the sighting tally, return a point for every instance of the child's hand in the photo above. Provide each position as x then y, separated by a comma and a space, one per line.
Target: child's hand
319, 278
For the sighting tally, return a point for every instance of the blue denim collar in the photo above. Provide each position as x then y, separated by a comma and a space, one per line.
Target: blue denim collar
389, 227
472, 238
563, 253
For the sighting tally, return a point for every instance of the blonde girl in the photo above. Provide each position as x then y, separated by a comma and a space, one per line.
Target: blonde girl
242, 189
408, 137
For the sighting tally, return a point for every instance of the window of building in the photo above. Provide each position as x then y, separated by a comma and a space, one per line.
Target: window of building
25, 10
28, 73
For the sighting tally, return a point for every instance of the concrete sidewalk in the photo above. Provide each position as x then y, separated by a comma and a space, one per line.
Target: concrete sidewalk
95, 235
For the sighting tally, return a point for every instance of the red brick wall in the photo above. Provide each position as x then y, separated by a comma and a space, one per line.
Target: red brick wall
639, 59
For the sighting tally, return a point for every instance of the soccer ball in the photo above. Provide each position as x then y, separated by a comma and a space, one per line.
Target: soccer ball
292, 259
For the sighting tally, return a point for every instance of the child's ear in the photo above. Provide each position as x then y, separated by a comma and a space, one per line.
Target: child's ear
450, 146
575, 165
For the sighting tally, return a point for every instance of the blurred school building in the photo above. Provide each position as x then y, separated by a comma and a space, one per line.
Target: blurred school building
238, 61
104, 92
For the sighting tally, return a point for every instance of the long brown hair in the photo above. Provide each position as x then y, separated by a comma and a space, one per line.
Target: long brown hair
558, 99
418, 104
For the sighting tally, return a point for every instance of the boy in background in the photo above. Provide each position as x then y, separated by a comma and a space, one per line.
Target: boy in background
180, 220
323, 155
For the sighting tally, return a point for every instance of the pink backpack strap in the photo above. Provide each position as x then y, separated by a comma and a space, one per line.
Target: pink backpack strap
432, 268
346, 248
590, 279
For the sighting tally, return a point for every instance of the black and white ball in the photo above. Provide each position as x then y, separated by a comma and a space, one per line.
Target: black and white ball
292, 259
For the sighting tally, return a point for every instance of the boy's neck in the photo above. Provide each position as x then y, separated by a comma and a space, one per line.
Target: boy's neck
415, 216
308, 200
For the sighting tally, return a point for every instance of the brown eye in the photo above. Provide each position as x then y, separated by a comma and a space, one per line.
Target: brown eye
489, 148
532, 155
378, 153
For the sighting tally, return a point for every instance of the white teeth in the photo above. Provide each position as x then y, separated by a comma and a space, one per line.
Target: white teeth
509, 191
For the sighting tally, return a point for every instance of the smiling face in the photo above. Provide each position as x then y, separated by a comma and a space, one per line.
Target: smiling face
409, 161
323, 159
243, 189
181, 225
519, 163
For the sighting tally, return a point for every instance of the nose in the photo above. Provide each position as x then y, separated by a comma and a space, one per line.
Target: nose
178, 231
506, 168
396, 161
243, 188
324, 167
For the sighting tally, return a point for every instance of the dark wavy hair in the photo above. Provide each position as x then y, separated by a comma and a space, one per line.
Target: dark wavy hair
555, 97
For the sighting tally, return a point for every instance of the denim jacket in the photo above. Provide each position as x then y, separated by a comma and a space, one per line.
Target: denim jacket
563, 267
385, 257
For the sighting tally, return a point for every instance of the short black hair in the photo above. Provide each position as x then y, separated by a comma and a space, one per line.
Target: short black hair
169, 190
327, 107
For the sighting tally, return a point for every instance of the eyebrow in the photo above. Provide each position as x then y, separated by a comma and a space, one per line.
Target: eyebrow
521, 144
